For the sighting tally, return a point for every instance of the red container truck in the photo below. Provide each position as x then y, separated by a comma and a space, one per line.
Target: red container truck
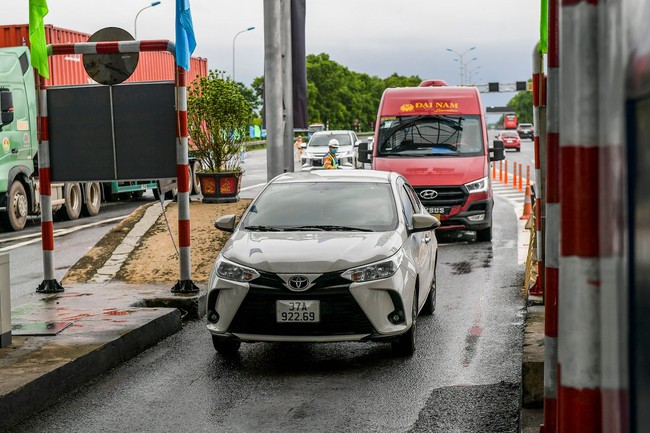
66, 70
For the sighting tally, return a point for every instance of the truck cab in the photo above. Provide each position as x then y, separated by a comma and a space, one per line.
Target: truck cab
435, 135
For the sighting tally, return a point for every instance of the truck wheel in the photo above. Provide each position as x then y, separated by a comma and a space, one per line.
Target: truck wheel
73, 202
92, 198
15, 217
196, 183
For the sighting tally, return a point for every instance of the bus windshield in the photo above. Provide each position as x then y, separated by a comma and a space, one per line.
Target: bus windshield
430, 136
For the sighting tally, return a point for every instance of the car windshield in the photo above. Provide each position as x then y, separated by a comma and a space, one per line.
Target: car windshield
330, 206
525, 125
509, 134
430, 136
324, 139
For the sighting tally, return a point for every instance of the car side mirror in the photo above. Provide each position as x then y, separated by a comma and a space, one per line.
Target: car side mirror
303, 145
497, 152
6, 107
226, 223
356, 143
424, 222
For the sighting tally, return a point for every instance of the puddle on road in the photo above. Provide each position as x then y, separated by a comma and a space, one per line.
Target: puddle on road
462, 268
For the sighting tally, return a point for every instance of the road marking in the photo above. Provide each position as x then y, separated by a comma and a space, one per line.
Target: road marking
57, 233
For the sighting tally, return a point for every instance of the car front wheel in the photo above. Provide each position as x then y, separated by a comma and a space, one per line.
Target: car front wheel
405, 345
225, 347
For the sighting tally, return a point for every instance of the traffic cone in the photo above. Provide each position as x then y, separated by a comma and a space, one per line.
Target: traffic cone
528, 205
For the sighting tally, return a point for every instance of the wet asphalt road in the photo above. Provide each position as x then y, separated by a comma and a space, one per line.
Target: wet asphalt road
464, 377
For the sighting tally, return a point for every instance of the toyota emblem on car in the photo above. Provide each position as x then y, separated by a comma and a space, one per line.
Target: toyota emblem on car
429, 194
298, 282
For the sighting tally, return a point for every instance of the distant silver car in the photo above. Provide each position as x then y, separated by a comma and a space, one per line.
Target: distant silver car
317, 147
325, 256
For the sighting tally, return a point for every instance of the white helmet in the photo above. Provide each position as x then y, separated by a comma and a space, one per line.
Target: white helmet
334, 143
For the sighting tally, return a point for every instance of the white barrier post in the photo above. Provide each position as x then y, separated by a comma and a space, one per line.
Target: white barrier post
5, 302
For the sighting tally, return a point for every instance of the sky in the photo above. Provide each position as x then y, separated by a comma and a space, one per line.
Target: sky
377, 37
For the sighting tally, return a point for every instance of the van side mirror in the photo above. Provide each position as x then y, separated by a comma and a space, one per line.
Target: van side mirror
365, 154
498, 152
6, 107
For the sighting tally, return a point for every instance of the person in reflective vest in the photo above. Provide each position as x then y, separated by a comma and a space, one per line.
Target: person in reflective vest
331, 162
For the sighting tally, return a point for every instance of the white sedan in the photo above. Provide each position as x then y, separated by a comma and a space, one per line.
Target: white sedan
325, 256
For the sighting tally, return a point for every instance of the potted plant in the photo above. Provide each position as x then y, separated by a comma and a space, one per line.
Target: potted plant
217, 120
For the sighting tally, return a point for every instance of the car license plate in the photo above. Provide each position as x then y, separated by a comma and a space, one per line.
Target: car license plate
436, 211
297, 311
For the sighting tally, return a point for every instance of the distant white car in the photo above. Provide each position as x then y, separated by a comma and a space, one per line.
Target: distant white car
317, 147
325, 256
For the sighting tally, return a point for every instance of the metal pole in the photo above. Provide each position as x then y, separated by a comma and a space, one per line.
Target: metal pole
273, 88
287, 87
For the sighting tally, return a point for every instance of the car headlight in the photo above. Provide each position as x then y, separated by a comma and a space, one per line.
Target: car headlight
375, 271
234, 272
480, 185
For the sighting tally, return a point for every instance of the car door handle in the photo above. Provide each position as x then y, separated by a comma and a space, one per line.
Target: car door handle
427, 239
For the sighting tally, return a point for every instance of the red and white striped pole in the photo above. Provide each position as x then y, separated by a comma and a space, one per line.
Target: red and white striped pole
552, 237
49, 283
579, 327
185, 284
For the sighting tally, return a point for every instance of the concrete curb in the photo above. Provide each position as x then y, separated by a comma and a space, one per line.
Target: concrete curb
38, 394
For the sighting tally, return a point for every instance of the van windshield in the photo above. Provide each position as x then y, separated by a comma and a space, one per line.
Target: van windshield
430, 136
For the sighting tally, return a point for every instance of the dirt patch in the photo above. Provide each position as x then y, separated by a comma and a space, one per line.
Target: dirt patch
86, 267
154, 259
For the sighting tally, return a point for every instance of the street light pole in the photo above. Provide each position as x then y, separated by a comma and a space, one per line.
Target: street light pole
135, 22
473, 73
460, 61
233, 49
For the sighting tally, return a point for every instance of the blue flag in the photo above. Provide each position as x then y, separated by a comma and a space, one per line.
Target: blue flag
185, 41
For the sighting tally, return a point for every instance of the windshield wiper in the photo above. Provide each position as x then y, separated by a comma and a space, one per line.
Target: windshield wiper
330, 228
263, 229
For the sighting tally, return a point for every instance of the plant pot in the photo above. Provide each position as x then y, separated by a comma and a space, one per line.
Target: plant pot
222, 187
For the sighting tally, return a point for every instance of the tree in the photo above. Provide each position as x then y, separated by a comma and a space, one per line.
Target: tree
339, 97
217, 119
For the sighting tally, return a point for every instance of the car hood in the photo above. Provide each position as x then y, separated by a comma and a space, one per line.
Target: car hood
435, 171
310, 252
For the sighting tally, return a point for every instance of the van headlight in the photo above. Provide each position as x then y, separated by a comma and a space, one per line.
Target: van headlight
375, 271
234, 272
480, 185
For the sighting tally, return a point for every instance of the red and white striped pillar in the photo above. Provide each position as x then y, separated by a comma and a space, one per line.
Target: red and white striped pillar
538, 82
579, 327
184, 284
552, 236
49, 283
